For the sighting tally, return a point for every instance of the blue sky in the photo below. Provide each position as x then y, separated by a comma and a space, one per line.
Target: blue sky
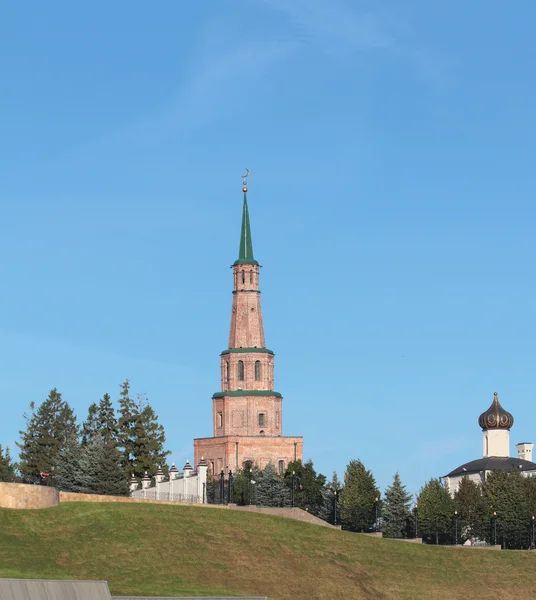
392, 203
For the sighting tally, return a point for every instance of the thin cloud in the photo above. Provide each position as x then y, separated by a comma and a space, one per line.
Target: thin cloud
339, 29
336, 26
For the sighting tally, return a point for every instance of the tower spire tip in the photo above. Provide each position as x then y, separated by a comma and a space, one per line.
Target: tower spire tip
245, 182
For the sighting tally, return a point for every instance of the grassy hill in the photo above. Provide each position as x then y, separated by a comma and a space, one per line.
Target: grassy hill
159, 549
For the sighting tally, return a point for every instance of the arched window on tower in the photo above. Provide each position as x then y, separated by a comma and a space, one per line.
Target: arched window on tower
227, 373
257, 370
240, 370
243, 276
251, 277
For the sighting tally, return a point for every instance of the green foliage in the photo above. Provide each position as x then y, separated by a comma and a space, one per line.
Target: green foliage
529, 485
7, 468
396, 509
68, 475
212, 490
149, 439
89, 426
91, 468
331, 494
435, 512
505, 494
358, 498
126, 426
101, 470
308, 486
270, 489
139, 436
101, 421
473, 514
47, 431
242, 488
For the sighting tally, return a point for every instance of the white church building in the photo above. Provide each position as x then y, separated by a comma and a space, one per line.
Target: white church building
188, 486
495, 423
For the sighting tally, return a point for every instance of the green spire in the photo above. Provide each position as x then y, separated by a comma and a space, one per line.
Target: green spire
245, 254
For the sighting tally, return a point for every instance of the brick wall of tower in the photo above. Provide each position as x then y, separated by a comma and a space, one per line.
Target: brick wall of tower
248, 415
247, 328
221, 453
255, 378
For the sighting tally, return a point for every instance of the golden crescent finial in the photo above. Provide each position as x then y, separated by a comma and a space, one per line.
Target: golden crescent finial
245, 183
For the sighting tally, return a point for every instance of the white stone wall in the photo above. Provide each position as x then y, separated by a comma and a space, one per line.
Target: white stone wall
453, 483
524, 451
189, 486
496, 442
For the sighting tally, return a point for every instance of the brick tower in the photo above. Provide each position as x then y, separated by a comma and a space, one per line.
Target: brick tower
247, 414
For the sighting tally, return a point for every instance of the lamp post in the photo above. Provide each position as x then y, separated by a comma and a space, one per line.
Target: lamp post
376, 500
494, 527
222, 487
335, 498
252, 491
456, 526
249, 485
415, 507
293, 476
532, 536
230, 487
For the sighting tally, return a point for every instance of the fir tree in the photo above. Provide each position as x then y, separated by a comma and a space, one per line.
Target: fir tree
472, 511
106, 421
148, 441
435, 512
47, 431
128, 416
7, 468
101, 420
270, 489
68, 476
331, 495
308, 486
89, 426
101, 470
504, 493
358, 498
396, 509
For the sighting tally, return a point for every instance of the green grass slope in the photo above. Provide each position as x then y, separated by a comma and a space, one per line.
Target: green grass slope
148, 549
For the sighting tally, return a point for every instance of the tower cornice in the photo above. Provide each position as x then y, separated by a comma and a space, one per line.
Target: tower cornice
247, 351
235, 393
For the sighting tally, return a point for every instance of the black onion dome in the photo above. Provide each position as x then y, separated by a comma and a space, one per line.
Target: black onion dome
496, 417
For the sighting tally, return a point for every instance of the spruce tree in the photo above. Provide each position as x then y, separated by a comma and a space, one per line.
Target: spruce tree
106, 421
101, 471
7, 468
358, 498
308, 486
331, 496
101, 420
473, 517
270, 489
140, 437
148, 441
68, 477
530, 493
128, 416
504, 493
435, 512
89, 426
396, 509
47, 430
